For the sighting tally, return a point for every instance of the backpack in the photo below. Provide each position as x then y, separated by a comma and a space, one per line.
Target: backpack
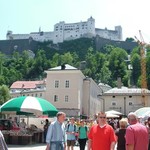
86, 129
73, 125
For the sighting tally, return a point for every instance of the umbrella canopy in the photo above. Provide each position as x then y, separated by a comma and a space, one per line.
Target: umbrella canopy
109, 115
35, 105
142, 111
114, 112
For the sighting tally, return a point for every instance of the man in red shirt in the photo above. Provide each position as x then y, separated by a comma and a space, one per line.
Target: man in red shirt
136, 134
101, 136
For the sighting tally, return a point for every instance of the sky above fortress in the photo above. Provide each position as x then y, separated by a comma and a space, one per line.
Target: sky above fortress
25, 16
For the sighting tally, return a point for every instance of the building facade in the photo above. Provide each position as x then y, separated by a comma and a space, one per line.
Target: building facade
71, 92
66, 88
124, 100
70, 31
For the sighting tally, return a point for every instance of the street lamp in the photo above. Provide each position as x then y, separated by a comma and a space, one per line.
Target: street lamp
125, 105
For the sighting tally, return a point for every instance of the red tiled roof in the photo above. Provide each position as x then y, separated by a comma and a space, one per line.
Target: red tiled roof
25, 84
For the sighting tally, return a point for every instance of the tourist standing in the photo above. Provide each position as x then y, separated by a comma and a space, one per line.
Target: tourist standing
55, 138
101, 136
82, 137
46, 125
22, 124
136, 134
147, 124
71, 130
120, 133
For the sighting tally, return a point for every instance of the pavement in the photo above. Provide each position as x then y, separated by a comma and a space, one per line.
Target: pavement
31, 147
34, 147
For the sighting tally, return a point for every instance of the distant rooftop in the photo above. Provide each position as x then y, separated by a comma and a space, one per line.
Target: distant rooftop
125, 90
26, 84
63, 67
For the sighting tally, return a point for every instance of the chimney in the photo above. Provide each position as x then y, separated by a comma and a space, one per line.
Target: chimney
119, 83
63, 67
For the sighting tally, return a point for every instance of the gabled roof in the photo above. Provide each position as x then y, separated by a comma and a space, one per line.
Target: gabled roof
26, 84
63, 67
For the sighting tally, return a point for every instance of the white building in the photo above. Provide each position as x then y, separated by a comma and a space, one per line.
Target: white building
70, 91
69, 31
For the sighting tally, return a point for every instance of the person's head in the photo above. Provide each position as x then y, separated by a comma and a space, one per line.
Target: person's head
61, 116
102, 118
148, 121
82, 122
123, 123
46, 120
72, 120
132, 118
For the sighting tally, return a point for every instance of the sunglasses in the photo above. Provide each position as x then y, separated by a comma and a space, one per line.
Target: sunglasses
102, 117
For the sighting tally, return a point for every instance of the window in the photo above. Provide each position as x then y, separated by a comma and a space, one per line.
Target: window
113, 103
113, 96
130, 103
40, 94
36, 95
67, 84
55, 98
56, 84
66, 98
130, 96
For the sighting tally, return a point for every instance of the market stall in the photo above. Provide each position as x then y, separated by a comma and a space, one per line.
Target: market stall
27, 105
27, 136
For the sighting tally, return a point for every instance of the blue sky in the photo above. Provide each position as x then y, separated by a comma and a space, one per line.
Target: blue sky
25, 16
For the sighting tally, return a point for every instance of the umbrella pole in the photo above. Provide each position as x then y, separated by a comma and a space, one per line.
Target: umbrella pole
28, 121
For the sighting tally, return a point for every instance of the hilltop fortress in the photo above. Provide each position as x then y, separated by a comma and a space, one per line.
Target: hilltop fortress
70, 31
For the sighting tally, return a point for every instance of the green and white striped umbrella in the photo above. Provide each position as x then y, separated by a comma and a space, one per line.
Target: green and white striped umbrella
35, 105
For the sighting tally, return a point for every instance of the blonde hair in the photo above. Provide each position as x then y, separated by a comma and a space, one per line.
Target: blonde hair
123, 123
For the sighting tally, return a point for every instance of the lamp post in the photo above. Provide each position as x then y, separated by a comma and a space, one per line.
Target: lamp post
125, 105
22, 90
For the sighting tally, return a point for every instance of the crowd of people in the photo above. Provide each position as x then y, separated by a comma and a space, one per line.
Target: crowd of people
99, 134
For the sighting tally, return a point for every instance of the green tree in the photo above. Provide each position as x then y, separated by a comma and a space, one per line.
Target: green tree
56, 60
117, 64
5, 94
136, 68
148, 69
66, 58
105, 74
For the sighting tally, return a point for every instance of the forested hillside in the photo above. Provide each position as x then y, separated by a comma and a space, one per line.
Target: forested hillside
103, 65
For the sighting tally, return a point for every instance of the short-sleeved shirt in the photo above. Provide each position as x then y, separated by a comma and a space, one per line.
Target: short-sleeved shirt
71, 128
101, 137
83, 132
137, 135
